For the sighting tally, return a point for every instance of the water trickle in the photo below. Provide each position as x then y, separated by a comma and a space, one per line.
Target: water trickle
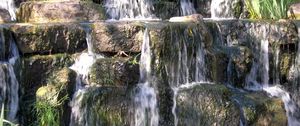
82, 68
146, 110
9, 5
130, 9
187, 7
185, 66
9, 84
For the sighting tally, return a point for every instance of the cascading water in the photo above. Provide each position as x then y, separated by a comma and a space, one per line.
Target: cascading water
82, 68
9, 85
9, 5
146, 110
187, 7
221, 9
185, 67
130, 9
261, 67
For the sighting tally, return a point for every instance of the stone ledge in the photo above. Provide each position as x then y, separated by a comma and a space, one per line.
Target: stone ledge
60, 11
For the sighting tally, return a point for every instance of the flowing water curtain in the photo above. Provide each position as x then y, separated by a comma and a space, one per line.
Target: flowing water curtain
9, 5
146, 108
187, 7
129, 9
9, 85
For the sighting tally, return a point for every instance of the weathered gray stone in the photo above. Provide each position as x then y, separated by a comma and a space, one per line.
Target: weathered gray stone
49, 38
4, 16
119, 36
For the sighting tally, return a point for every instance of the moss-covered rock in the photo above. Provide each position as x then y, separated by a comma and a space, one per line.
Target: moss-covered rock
102, 106
260, 109
119, 36
38, 71
114, 72
60, 11
206, 105
52, 100
49, 38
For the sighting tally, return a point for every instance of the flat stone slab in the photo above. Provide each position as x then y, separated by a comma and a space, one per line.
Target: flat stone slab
60, 11
49, 38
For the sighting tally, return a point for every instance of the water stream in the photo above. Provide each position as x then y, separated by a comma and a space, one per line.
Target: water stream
9, 84
9, 5
187, 8
146, 109
82, 67
130, 9
186, 67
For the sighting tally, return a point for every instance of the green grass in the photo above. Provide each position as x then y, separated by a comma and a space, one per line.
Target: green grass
268, 9
49, 110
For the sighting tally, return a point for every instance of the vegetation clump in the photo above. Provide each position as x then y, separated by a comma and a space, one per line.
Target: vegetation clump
268, 9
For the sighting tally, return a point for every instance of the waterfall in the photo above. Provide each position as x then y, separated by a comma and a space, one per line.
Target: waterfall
146, 110
9, 5
9, 85
187, 7
221, 9
261, 67
130, 9
185, 62
82, 68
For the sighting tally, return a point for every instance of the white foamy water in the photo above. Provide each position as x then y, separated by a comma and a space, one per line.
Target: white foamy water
9, 5
146, 109
187, 7
130, 9
82, 67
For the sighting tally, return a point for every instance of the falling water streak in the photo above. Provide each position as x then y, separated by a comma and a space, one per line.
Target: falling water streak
145, 99
130, 9
10, 86
265, 62
9, 5
82, 67
276, 79
187, 7
187, 67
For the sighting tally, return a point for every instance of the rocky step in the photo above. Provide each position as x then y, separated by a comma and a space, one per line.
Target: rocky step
213, 104
60, 11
